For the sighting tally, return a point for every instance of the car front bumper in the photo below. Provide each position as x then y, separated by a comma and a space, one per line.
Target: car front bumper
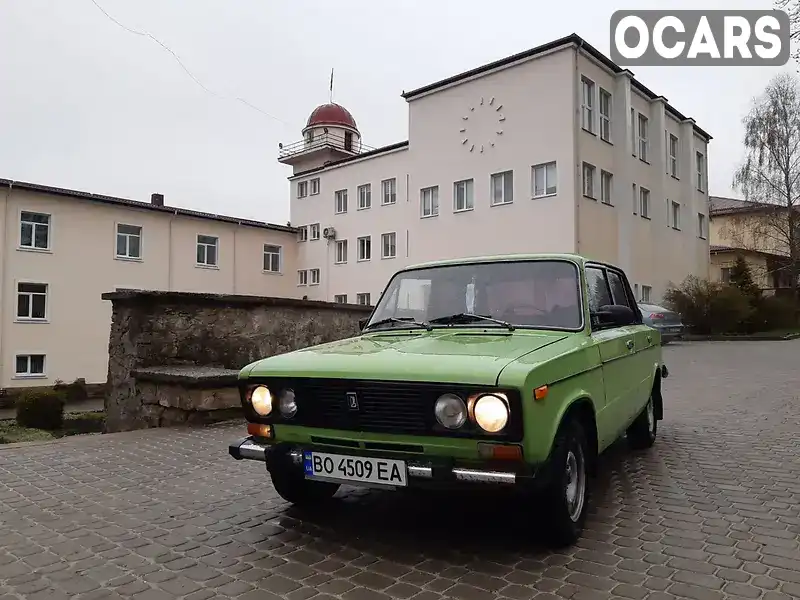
422, 471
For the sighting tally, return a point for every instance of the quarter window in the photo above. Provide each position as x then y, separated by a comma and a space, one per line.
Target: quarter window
618, 289
599, 293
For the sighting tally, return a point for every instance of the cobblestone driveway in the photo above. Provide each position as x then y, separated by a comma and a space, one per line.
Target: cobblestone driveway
712, 511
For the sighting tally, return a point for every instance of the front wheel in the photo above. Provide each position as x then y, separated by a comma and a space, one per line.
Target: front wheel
293, 487
642, 432
566, 496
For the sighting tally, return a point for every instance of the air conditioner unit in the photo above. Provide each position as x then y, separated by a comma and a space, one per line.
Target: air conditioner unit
329, 233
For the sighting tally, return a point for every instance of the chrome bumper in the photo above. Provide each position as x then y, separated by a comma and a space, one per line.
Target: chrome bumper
248, 449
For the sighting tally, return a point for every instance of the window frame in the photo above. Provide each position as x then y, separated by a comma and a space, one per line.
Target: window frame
340, 298
363, 296
391, 183
591, 170
364, 192
700, 167
29, 374
206, 265
364, 242
340, 252
30, 318
340, 201
302, 189
302, 277
674, 215
649, 290
606, 198
49, 226
385, 256
644, 193
266, 253
117, 235
543, 167
702, 226
312, 229
605, 119
503, 175
302, 233
469, 195
314, 276
673, 159
588, 89
433, 191
644, 138
311, 186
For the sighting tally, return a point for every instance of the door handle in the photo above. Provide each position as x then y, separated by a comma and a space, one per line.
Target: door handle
629, 344
649, 338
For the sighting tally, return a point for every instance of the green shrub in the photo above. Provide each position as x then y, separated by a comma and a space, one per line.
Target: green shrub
775, 312
708, 307
41, 409
74, 392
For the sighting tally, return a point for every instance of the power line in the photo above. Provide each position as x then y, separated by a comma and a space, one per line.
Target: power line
184, 67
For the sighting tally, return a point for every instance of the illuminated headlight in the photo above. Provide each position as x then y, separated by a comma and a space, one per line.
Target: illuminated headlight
450, 411
261, 400
491, 413
287, 404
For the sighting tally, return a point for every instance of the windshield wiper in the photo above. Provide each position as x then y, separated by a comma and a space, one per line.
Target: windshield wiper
467, 317
402, 320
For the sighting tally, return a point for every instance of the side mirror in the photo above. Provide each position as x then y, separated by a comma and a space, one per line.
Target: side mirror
362, 323
615, 315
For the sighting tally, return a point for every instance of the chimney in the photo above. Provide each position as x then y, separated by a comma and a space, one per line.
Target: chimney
157, 199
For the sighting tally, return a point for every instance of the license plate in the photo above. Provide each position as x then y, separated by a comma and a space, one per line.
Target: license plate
358, 469
674, 329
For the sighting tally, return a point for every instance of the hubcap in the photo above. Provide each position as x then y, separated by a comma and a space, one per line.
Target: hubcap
651, 416
576, 483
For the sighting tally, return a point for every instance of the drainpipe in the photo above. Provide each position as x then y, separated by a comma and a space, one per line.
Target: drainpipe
238, 224
3, 261
169, 252
575, 126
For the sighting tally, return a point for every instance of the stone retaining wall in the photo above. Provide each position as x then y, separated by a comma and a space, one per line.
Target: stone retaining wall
173, 356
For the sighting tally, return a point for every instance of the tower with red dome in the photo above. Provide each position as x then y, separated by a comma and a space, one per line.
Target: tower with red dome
330, 134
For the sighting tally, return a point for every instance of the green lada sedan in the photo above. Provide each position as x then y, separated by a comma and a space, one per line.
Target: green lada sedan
493, 372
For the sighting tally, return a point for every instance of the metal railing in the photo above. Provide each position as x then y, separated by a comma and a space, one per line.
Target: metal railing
336, 141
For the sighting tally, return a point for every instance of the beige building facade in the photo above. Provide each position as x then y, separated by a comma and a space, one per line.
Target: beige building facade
556, 149
61, 249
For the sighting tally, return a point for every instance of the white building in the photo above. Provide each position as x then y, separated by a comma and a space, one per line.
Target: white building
556, 149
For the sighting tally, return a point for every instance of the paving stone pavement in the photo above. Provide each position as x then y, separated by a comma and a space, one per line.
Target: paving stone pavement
712, 511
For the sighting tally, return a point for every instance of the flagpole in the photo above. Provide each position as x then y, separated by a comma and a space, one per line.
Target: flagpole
331, 90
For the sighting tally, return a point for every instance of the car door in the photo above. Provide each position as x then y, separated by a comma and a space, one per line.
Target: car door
644, 345
617, 353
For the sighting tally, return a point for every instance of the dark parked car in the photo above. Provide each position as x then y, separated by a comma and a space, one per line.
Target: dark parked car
668, 323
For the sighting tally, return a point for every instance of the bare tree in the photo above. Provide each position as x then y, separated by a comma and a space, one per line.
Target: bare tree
792, 8
770, 173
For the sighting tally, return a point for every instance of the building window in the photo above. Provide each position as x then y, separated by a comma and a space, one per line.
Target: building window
673, 155
341, 201
633, 132
462, 195
674, 214
341, 252
429, 201
636, 291
314, 275
606, 187
302, 189
644, 138
32, 301
363, 299
647, 291
644, 203
364, 196
701, 171
302, 234
502, 188
364, 248
314, 231
389, 245
129, 241
207, 250
587, 104
389, 191
588, 180
29, 365
701, 226
635, 200
545, 181
34, 230
314, 186
605, 115
272, 258
726, 274
302, 277
340, 298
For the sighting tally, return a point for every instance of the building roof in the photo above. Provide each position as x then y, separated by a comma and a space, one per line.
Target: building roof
335, 163
720, 205
715, 249
114, 201
331, 114
572, 39
577, 258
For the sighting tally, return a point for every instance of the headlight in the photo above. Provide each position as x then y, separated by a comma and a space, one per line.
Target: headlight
261, 400
491, 413
450, 411
287, 404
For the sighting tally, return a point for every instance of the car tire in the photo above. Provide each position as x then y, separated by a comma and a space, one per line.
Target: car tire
293, 487
643, 431
566, 496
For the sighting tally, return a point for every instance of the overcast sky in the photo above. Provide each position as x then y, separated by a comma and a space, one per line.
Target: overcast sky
87, 105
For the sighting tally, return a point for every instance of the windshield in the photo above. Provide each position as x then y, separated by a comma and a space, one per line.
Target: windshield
535, 293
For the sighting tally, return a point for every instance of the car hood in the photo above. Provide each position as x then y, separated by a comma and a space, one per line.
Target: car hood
472, 357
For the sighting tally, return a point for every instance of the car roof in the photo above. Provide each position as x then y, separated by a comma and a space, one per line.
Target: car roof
655, 306
574, 258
